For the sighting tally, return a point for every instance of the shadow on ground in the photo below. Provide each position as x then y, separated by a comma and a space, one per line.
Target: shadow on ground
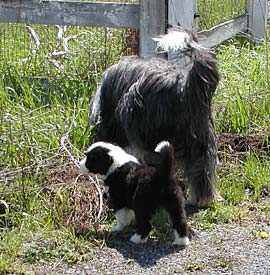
146, 255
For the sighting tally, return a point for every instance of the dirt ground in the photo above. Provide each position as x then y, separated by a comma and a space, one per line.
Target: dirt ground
235, 248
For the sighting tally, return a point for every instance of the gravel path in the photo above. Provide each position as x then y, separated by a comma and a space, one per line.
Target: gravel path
225, 249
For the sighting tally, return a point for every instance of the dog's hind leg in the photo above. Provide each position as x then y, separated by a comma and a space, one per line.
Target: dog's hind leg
124, 217
175, 206
200, 167
143, 227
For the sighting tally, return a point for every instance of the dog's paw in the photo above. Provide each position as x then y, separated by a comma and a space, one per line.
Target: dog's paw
116, 228
182, 241
137, 239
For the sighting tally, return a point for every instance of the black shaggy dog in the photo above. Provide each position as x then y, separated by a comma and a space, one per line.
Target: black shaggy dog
135, 190
141, 102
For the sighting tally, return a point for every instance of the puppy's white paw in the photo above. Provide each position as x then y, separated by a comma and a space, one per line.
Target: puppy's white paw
116, 228
182, 241
137, 239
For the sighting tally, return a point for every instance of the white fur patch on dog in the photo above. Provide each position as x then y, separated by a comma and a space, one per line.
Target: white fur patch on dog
161, 145
173, 41
124, 217
83, 170
180, 240
96, 106
137, 239
120, 157
176, 41
106, 189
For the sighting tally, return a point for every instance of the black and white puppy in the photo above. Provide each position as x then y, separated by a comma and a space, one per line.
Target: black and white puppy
135, 190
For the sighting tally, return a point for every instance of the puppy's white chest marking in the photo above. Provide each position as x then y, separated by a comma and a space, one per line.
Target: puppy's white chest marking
83, 170
106, 190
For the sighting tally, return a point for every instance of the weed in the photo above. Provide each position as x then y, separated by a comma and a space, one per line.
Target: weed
195, 266
223, 263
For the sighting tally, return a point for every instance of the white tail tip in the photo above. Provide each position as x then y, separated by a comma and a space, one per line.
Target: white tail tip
174, 41
161, 145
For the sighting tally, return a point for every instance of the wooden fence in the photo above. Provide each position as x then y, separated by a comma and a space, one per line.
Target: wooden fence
149, 16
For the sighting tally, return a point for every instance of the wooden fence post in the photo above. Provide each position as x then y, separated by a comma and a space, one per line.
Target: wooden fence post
181, 12
257, 17
152, 24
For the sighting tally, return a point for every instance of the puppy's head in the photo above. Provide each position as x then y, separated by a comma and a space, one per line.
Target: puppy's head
97, 160
103, 158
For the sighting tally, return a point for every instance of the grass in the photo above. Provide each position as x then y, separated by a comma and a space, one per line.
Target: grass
33, 242
211, 15
242, 104
42, 100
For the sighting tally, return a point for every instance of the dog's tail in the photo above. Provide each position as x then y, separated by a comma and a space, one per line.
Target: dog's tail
184, 48
176, 40
200, 78
166, 153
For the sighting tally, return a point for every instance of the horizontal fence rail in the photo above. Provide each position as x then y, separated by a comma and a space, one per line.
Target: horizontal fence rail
224, 31
149, 16
96, 14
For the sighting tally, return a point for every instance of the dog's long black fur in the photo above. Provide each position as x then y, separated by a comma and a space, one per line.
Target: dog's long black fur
143, 101
138, 189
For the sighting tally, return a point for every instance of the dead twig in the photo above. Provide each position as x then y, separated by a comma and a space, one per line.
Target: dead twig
57, 54
34, 37
64, 40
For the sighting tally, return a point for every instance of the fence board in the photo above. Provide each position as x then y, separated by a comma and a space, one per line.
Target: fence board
182, 13
224, 31
257, 11
149, 16
77, 13
152, 24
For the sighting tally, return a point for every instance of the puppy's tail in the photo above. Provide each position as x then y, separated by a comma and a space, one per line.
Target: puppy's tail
166, 152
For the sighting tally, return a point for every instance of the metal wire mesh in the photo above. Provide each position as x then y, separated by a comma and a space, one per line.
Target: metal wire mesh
80, 50
213, 12
87, 49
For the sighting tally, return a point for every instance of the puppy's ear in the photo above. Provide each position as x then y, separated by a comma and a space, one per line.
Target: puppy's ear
105, 161
152, 159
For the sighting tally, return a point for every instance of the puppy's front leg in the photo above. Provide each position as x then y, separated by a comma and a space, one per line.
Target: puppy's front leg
124, 217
